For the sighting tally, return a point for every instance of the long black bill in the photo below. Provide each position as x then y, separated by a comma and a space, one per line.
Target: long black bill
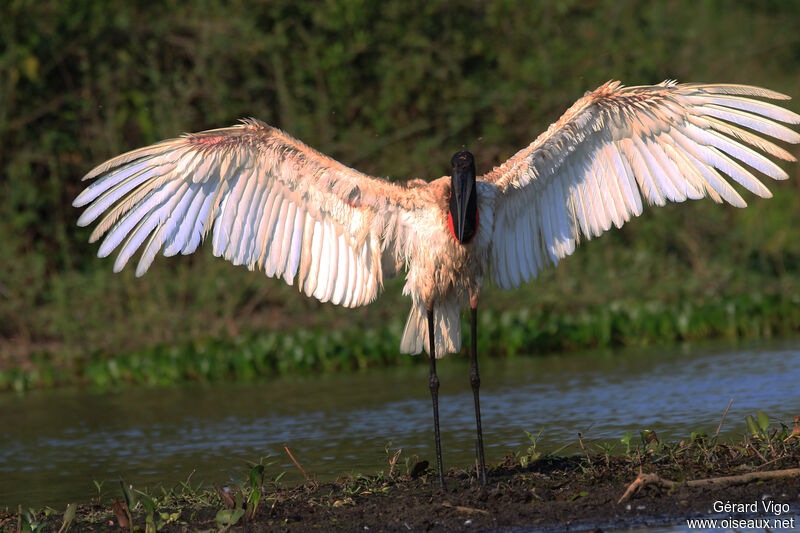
463, 197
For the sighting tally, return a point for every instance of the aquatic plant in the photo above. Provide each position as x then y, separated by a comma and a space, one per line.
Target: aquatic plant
258, 355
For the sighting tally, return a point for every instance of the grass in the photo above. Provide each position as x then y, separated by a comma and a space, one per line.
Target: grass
260, 499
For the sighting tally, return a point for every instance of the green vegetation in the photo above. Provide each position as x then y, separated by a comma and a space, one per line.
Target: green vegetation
259, 355
391, 88
531, 479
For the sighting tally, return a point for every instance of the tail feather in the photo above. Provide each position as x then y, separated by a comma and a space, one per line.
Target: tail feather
447, 329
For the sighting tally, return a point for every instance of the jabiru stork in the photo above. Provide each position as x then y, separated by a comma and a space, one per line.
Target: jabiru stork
274, 204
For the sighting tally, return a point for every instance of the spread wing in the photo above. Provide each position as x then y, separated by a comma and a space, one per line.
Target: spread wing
619, 145
273, 203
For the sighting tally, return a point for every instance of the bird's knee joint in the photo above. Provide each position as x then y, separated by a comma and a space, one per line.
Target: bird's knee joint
433, 383
474, 380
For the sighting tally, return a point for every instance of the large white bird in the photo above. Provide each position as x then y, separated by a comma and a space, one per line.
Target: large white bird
272, 203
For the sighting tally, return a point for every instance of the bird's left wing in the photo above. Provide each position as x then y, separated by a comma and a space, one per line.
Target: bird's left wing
617, 145
274, 204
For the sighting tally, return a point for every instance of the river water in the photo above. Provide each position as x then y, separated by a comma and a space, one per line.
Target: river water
53, 444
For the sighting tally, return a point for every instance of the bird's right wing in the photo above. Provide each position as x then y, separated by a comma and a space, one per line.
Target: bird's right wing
618, 146
273, 203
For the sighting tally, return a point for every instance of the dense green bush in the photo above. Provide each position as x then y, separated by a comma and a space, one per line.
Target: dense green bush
392, 88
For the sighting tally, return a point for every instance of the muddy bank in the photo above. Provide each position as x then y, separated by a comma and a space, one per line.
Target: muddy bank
550, 495
529, 490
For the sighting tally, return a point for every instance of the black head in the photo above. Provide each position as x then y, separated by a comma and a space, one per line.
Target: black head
463, 160
463, 197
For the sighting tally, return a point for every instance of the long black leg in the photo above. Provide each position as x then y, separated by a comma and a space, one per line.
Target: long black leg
475, 381
433, 383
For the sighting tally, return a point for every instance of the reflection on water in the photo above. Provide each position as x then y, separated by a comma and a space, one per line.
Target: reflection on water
54, 443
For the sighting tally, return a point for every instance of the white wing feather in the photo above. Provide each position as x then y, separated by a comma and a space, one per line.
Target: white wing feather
272, 203
616, 145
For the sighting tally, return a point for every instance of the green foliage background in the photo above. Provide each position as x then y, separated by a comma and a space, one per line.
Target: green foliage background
392, 88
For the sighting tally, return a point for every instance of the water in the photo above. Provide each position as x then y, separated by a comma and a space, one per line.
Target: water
53, 444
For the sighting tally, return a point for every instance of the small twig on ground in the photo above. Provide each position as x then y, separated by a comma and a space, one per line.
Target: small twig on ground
769, 462
580, 441
187, 485
465, 509
719, 427
394, 461
653, 479
297, 464
764, 459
